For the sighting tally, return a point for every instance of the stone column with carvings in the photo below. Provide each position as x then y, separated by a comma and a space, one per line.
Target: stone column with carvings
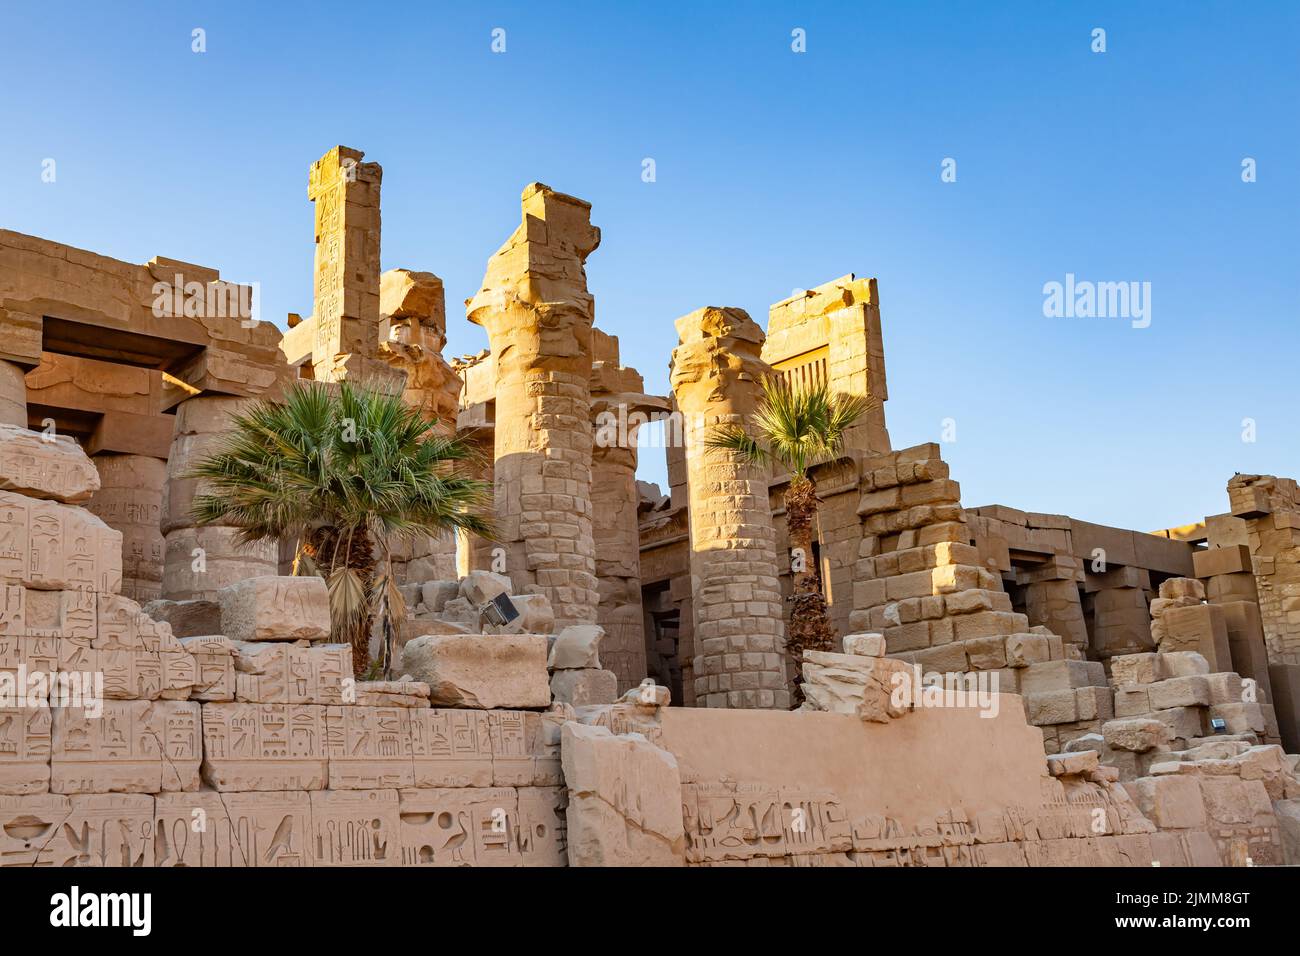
739, 624
129, 500
345, 343
537, 311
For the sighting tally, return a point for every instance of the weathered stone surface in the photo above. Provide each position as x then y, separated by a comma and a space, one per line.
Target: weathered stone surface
1136, 734
434, 595
853, 684
739, 627
24, 750
535, 616
1074, 763
276, 608
582, 687
187, 618
480, 671
624, 800
865, 645
577, 646
264, 746
479, 587
134, 746
275, 672
41, 465
49, 545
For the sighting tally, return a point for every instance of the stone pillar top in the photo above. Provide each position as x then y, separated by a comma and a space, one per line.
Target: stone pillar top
719, 349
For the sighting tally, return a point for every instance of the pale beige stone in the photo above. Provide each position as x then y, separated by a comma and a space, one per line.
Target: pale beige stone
585, 686
264, 746
275, 608
48, 545
282, 673
577, 646
480, 671
41, 465
624, 800
866, 645
134, 746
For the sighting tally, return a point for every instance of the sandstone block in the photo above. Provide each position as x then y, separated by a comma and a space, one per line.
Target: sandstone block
38, 465
1073, 763
479, 587
865, 645
264, 746
133, 746
187, 618
624, 800
480, 671
276, 672
585, 686
1170, 802
53, 546
1136, 734
434, 595
276, 608
1179, 692
577, 646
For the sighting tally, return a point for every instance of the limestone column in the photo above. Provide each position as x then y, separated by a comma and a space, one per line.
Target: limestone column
537, 311
739, 625
345, 344
129, 500
197, 562
13, 395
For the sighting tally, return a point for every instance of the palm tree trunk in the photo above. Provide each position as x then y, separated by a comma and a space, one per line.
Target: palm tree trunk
810, 627
361, 559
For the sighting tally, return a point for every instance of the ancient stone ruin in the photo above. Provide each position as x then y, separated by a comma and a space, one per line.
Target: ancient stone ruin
1009, 688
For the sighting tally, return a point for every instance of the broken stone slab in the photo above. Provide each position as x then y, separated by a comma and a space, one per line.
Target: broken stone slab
1136, 734
276, 608
40, 465
577, 646
864, 645
434, 595
480, 671
193, 618
479, 587
625, 803
648, 695
1074, 763
585, 686
853, 684
391, 693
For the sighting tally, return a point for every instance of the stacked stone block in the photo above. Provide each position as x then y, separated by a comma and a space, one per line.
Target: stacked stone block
920, 583
257, 728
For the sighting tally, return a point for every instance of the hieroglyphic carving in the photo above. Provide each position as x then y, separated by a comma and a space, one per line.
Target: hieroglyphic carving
525, 748
279, 673
451, 748
214, 667
48, 545
97, 829
232, 829
24, 750
134, 746
369, 748
264, 746
355, 828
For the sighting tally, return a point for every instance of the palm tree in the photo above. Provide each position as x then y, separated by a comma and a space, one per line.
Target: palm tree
342, 471
796, 428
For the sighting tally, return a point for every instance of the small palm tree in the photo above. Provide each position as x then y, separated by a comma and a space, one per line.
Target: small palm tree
796, 428
342, 471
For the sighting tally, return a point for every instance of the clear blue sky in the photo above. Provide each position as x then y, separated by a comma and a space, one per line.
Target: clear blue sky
775, 171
